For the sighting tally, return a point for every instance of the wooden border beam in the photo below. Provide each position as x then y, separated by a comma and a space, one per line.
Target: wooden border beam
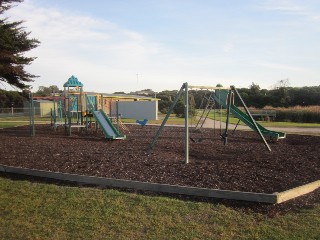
297, 191
272, 198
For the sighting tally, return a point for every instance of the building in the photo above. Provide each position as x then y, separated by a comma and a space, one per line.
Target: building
127, 106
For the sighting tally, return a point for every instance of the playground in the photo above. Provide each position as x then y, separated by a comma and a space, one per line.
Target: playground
260, 165
241, 165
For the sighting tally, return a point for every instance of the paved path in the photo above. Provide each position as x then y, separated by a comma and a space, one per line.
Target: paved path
209, 123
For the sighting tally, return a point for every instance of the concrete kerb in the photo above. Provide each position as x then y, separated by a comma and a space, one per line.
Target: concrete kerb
165, 188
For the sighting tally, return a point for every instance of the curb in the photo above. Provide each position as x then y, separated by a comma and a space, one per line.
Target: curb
273, 198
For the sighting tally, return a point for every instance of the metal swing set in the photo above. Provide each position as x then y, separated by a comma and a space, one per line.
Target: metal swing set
224, 97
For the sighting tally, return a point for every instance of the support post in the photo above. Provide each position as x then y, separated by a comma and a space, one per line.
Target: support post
69, 111
154, 140
54, 112
253, 121
81, 106
117, 106
186, 121
225, 135
32, 129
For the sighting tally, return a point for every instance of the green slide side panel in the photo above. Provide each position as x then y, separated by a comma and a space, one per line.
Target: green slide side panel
221, 98
118, 134
109, 130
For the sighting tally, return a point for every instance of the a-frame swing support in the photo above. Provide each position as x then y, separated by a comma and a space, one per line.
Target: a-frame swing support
186, 122
184, 88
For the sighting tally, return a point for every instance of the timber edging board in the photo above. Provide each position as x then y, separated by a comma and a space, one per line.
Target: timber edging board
166, 188
297, 191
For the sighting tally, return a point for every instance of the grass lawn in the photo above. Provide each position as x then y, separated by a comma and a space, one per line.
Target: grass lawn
233, 120
12, 124
46, 211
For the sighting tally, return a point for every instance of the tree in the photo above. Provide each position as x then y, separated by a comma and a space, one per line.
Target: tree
14, 42
47, 91
179, 108
11, 99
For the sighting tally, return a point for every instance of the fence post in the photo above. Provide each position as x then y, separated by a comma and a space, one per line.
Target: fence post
32, 129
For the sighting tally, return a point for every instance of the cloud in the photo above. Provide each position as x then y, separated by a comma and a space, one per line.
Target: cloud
281, 67
106, 56
289, 7
82, 45
228, 47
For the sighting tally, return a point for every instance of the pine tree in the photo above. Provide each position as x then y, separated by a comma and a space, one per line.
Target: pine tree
14, 42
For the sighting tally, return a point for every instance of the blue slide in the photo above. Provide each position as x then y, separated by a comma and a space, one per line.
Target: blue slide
108, 128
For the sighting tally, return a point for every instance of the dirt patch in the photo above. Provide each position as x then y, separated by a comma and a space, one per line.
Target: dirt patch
244, 164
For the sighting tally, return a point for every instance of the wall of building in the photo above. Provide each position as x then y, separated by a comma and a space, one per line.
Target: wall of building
136, 110
41, 108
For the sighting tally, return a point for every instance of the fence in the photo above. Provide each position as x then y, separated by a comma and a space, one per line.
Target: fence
21, 121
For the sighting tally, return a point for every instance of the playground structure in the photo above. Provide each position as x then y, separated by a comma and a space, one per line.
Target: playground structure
75, 109
223, 97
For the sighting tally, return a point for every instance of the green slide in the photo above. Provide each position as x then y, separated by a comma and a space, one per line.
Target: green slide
221, 98
108, 128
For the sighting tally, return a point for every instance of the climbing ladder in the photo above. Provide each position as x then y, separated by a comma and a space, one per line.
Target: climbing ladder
120, 124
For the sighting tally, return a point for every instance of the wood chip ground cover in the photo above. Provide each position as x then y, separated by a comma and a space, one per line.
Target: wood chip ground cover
244, 164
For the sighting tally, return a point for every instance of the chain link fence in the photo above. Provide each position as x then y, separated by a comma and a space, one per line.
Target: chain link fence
23, 121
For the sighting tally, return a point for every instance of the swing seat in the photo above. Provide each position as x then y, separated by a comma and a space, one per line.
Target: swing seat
196, 139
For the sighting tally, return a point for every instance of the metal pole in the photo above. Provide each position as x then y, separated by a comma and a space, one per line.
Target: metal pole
81, 106
186, 122
225, 135
253, 121
54, 111
154, 140
69, 111
117, 109
102, 102
32, 116
214, 117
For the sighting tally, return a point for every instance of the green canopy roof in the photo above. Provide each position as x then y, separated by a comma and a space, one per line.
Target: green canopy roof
73, 82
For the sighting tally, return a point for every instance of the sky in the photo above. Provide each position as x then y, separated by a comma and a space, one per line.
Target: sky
129, 45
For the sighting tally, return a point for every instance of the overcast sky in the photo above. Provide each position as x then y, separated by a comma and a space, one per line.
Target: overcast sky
128, 45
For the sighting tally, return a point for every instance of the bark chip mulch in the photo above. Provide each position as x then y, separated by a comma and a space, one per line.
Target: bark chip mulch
244, 164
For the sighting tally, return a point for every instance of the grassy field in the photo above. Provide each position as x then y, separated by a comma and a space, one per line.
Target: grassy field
12, 124
46, 211
173, 120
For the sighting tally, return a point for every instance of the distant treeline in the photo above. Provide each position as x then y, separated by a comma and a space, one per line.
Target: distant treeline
12, 99
255, 98
252, 96
281, 97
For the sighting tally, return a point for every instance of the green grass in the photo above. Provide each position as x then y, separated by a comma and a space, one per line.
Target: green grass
24, 118
12, 124
44, 211
234, 120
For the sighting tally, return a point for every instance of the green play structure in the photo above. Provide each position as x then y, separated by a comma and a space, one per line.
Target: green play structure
75, 109
221, 97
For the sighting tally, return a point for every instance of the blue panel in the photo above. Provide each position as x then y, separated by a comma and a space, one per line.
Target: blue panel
92, 100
